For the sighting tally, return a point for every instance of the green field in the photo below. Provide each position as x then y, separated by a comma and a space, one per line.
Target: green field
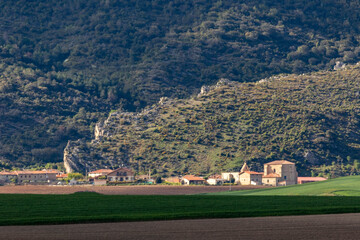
19, 209
343, 186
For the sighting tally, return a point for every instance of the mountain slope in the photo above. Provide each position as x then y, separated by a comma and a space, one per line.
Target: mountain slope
127, 54
312, 119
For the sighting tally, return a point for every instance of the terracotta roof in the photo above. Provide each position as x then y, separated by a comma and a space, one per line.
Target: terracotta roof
37, 172
7, 173
101, 171
279, 162
271, 175
311, 179
254, 173
121, 169
63, 175
173, 179
193, 178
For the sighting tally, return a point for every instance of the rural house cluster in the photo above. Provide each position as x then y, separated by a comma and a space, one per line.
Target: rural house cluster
276, 173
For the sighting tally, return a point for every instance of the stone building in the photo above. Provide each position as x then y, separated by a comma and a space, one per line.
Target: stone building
121, 175
279, 173
215, 180
29, 177
7, 177
244, 177
251, 178
276, 173
235, 176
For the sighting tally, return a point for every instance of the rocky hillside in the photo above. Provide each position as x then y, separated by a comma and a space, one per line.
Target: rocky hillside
64, 65
312, 119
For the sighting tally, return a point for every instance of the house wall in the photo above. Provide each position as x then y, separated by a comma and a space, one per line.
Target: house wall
255, 179
273, 169
7, 177
120, 178
213, 181
99, 182
245, 179
185, 181
270, 181
250, 179
196, 182
289, 174
227, 175
41, 177
121, 175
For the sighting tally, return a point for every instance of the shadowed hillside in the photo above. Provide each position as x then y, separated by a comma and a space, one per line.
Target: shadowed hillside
65, 64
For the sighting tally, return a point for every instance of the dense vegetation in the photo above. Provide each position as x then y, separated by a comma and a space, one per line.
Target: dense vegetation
63, 64
19, 209
312, 120
344, 186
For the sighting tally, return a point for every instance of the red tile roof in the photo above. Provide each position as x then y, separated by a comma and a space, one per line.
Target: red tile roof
193, 178
101, 171
279, 162
254, 173
37, 172
271, 175
311, 179
7, 173
63, 175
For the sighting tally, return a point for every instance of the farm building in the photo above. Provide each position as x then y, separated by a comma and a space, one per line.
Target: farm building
276, 173
7, 177
215, 180
27, 176
279, 173
191, 179
302, 180
231, 176
244, 177
251, 178
121, 175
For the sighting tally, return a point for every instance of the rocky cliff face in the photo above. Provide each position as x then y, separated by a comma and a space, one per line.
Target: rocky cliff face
81, 156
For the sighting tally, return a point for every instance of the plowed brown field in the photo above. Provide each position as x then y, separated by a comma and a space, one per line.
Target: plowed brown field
121, 190
319, 227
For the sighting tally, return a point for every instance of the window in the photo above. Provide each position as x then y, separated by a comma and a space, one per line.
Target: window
284, 177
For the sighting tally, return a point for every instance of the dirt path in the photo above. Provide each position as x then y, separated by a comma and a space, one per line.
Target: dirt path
339, 226
121, 190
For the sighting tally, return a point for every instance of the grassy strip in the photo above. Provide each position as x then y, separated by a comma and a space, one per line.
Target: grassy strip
343, 186
89, 207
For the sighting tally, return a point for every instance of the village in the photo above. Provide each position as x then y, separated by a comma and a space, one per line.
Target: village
276, 173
